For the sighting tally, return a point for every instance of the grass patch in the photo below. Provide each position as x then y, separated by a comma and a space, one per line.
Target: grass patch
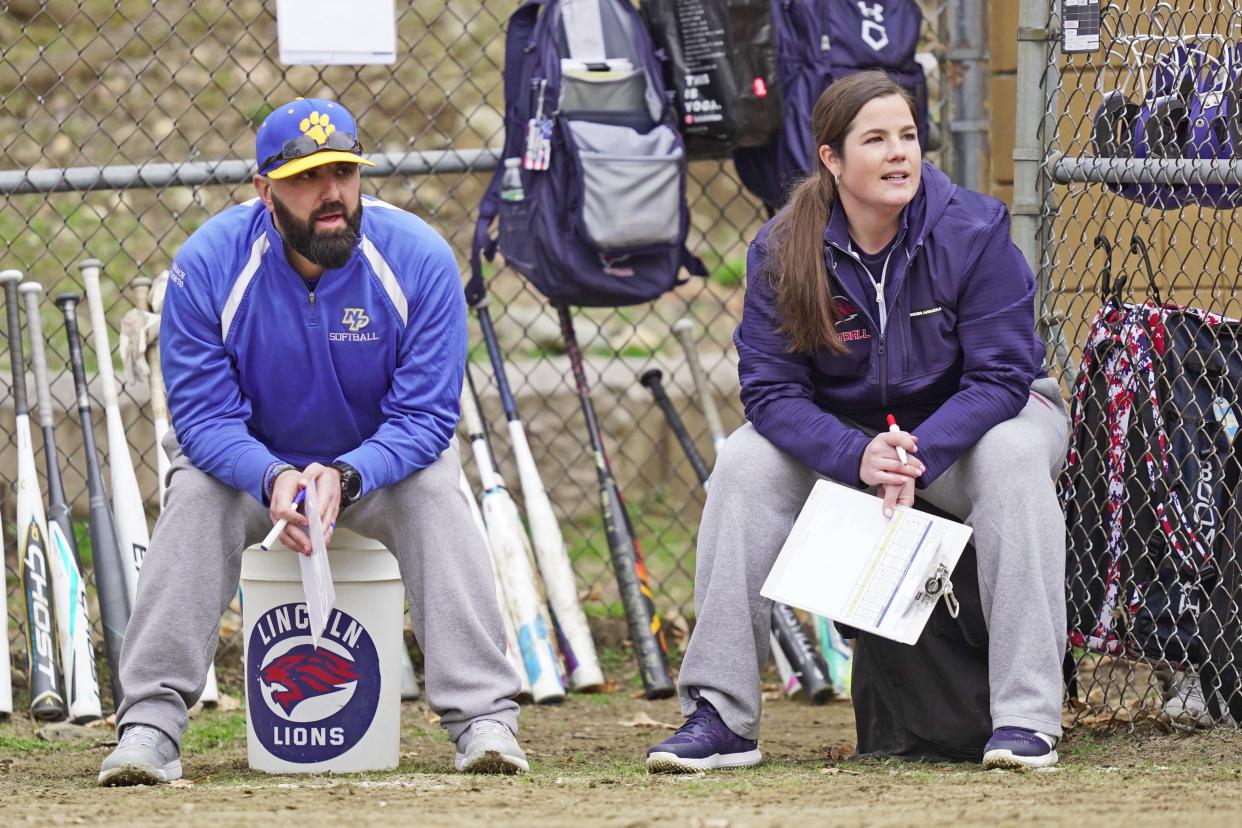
19, 744
215, 730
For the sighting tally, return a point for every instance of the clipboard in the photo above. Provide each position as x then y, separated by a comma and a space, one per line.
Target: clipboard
844, 560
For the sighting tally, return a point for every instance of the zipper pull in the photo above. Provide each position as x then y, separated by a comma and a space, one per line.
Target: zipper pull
879, 293
312, 297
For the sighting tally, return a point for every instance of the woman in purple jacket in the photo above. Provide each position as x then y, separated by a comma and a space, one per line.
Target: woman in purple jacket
884, 288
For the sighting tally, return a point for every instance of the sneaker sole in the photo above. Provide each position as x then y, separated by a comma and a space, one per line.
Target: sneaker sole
491, 761
139, 773
1009, 760
672, 763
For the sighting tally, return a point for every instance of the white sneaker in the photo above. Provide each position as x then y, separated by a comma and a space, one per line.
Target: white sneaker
1185, 704
488, 746
144, 756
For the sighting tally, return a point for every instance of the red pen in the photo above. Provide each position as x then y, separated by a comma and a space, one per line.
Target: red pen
901, 453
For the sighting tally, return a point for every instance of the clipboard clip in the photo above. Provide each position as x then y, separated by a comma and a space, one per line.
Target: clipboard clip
935, 585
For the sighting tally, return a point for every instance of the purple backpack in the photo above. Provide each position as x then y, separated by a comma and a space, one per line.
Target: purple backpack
817, 42
599, 218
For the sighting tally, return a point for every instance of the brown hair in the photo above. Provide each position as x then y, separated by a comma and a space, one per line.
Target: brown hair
796, 268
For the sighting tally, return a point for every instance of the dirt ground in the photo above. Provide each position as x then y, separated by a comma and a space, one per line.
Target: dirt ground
586, 770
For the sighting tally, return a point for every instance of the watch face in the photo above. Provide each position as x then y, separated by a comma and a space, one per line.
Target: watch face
351, 483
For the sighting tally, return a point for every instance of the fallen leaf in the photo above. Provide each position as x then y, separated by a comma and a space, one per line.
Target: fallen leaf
595, 593
181, 783
676, 628
641, 719
228, 702
430, 717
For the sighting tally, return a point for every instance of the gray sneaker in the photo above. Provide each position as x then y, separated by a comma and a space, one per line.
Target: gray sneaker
488, 746
145, 756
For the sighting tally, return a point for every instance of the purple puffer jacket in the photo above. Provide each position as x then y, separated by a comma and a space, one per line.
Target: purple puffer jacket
958, 355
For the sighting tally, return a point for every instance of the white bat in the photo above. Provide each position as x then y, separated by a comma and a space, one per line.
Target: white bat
47, 700
789, 679
511, 643
132, 533
577, 646
512, 555
6, 680
682, 329
73, 623
409, 680
558, 575
148, 300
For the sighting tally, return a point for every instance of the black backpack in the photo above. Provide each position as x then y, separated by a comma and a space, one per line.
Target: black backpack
720, 61
929, 701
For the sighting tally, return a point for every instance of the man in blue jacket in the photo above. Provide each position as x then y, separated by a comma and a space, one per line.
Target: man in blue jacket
313, 337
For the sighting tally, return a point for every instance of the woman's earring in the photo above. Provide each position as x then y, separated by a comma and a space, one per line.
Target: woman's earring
836, 181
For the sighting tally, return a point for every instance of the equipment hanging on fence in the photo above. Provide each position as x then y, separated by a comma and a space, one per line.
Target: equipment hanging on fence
1145, 488
817, 42
1191, 108
591, 195
720, 61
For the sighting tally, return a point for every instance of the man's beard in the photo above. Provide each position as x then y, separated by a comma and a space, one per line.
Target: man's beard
327, 249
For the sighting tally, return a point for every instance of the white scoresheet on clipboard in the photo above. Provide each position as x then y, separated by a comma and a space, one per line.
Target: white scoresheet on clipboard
844, 560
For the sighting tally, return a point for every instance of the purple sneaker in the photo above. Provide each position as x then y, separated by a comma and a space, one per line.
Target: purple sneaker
703, 743
1019, 748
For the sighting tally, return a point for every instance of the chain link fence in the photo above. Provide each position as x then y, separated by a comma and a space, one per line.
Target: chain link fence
1135, 241
125, 125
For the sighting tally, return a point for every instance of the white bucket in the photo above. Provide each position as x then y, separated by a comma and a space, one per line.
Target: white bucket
336, 708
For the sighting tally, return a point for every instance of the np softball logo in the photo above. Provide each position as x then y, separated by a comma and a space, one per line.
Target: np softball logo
310, 704
355, 319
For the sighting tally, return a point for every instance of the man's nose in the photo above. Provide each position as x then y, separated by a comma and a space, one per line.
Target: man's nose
331, 190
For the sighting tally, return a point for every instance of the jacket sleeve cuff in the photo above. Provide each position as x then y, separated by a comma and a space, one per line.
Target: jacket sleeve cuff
369, 462
844, 461
248, 471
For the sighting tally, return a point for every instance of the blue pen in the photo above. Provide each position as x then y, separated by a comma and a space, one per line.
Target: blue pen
267, 542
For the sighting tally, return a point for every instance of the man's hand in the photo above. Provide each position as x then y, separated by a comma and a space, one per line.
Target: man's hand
284, 490
327, 483
882, 468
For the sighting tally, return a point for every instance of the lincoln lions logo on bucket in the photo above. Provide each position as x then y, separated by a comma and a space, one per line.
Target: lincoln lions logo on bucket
310, 704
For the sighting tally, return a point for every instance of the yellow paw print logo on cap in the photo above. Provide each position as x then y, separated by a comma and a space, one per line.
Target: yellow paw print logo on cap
317, 126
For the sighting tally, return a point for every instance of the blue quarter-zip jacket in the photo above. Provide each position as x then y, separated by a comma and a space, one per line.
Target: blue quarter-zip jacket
367, 369
957, 357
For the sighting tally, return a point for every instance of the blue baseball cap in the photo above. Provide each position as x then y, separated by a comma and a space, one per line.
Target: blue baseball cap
306, 133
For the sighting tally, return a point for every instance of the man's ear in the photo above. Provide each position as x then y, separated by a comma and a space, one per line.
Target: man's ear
263, 186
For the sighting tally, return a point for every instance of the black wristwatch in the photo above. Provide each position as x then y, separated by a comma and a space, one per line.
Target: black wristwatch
351, 483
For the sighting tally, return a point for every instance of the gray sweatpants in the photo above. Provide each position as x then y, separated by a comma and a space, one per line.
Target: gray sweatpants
193, 566
1003, 487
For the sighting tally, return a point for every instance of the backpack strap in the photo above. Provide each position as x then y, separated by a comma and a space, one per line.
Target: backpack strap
519, 53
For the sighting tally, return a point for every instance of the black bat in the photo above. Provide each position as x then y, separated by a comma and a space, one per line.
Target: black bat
654, 380
47, 700
807, 664
633, 580
109, 577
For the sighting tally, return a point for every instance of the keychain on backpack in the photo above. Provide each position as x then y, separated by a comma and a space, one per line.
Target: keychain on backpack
538, 133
